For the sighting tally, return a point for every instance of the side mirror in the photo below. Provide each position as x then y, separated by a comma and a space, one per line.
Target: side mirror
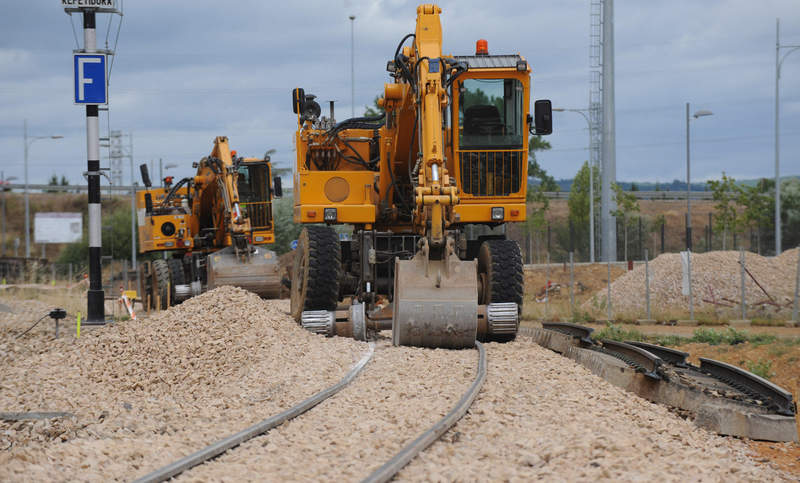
146, 178
298, 100
543, 117
277, 190
148, 203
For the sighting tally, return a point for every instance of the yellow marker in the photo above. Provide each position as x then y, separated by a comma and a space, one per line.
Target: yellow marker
79, 326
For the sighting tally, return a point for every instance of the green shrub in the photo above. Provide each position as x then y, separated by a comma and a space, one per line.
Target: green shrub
762, 368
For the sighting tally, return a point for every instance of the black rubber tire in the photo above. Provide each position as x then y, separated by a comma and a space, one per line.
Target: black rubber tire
161, 283
500, 263
146, 287
316, 270
176, 276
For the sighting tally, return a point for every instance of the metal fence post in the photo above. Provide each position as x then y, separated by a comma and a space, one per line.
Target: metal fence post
608, 299
70, 273
125, 274
796, 288
741, 263
647, 281
691, 297
547, 286
571, 283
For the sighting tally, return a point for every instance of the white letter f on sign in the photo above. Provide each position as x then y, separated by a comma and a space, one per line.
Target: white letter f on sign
82, 81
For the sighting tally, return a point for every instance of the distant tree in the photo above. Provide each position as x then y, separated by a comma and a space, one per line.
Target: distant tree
626, 204
634, 187
64, 181
757, 204
578, 203
286, 230
52, 182
375, 109
726, 212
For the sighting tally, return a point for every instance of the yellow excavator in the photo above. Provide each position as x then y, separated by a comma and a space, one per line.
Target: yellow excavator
211, 228
427, 187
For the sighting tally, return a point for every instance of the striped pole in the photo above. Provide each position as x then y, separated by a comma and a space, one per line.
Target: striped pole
96, 309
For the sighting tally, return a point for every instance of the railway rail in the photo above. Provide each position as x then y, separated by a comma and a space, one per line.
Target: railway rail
384, 473
712, 383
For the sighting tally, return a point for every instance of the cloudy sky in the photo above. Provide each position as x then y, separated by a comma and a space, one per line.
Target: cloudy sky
187, 71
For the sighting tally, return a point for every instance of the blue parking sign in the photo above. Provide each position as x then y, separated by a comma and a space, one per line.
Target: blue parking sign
91, 84
293, 245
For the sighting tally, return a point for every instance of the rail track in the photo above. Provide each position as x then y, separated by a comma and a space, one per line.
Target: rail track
384, 473
659, 362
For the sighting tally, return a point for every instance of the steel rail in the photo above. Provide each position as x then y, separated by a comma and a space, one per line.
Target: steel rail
640, 358
670, 356
257, 429
410, 451
737, 377
577, 331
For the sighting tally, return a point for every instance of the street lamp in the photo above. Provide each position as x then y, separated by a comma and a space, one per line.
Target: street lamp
352, 69
28, 141
778, 63
3, 182
583, 112
697, 115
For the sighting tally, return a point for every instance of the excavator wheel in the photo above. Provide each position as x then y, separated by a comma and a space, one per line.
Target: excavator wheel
161, 283
176, 277
316, 271
500, 278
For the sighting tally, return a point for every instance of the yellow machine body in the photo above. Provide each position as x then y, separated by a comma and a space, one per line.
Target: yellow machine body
449, 152
225, 209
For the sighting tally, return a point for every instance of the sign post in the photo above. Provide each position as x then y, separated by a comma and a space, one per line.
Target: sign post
91, 89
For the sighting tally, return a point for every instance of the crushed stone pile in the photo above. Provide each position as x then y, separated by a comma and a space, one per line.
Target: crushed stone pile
716, 276
540, 417
148, 392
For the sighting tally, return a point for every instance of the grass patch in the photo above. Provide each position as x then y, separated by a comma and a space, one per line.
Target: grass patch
618, 333
761, 368
730, 336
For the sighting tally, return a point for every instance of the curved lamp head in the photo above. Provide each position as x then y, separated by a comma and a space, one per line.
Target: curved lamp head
702, 112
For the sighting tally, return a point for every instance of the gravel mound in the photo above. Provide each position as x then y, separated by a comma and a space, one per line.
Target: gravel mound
542, 417
148, 392
715, 276
399, 394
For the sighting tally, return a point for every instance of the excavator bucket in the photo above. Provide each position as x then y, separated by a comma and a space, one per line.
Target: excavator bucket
259, 272
435, 302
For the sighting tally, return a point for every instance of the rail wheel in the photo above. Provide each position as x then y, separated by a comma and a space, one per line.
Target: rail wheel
316, 271
176, 277
161, 284
501, 281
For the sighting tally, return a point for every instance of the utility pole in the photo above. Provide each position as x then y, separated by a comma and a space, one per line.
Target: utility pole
352, 68
778, 64
608, 171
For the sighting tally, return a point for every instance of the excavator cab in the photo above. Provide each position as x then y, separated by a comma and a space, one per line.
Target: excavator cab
255, 200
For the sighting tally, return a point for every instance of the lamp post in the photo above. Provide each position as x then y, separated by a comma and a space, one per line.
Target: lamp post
28, 141
778, 63
3, 182
583, 112
352, 68
698, 114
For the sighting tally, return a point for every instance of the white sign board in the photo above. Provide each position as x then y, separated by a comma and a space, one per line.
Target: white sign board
57, 227
89, 3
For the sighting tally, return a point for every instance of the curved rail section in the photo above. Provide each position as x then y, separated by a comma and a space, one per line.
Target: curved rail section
224, 445
394, 465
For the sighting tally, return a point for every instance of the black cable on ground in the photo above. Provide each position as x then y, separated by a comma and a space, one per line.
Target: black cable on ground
34, 325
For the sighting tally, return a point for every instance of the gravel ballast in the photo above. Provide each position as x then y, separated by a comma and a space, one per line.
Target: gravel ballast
400, 393
543, 417
145, 393
716, 276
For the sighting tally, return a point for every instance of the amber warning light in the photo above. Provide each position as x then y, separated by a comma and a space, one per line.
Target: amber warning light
482, 47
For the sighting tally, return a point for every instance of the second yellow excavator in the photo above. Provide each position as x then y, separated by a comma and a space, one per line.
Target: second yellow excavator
212, 228
428, 187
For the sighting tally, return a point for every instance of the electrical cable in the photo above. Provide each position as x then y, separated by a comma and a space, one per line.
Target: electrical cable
34, 325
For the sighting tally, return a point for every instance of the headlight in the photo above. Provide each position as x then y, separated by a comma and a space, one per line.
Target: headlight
168, 229
498, 213
330, 214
